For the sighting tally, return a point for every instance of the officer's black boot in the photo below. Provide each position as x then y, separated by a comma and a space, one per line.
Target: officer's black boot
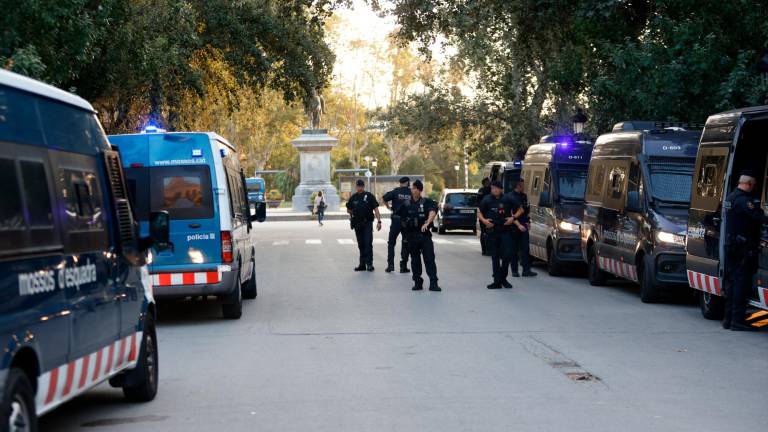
404, 267
369, 267
505, 283
738, 326
361, 267
434, 287
494, 286
390, 268
417, 287
726, 323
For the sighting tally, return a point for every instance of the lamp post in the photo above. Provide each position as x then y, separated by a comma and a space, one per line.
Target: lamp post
374, 164
456, 168
578, 120
466, 168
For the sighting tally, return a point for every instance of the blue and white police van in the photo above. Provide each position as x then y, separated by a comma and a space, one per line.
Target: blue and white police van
195, 177
76, 305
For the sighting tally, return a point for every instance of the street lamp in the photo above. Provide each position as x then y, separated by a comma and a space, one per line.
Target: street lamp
374, 164
367, 160
456, 168
579, 120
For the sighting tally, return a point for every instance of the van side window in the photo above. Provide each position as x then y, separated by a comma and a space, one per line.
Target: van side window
36, 194
18, 117
11, 215
617, 180
596, 181
708, 179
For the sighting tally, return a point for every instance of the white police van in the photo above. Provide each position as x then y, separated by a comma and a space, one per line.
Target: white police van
195, 177
76, 304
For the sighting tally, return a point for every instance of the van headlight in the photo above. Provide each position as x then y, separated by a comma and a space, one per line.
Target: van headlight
567, 226
670, 238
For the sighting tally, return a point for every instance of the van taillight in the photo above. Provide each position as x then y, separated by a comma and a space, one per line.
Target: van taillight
226, 246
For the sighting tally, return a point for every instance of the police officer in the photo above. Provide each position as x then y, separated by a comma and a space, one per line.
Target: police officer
495, 215
484, 191
395, 199
521, 240
417, 215
362, 206
742, 239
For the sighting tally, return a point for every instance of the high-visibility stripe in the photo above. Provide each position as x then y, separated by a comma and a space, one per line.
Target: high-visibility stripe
186, 278
110, 355
52, 385
68, 381
133, 353
84, 372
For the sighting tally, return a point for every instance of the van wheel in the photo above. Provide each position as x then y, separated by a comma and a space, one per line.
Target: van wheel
232, 308
141, 383
712, 306
249, 287
649, 292
18, 407
554, 266
596, 276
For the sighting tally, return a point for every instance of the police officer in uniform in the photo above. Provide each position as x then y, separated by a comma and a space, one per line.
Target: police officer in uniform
484, 191
521, 240
496, 215
417, 215
742, 240
395, 199
362, 206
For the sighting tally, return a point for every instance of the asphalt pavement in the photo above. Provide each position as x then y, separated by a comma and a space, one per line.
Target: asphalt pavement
323, 348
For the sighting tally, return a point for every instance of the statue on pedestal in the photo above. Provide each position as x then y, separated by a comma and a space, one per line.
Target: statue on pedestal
314, 108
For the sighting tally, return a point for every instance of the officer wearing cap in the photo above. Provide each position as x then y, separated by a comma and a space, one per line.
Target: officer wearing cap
496, 215
362, 206
484, 191
394, 200
520, 238
742, 240
417, 215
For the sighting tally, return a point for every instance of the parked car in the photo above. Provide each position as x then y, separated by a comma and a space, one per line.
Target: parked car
457, 209
732, 141
555, 174
637, 199
77, 306
196, 178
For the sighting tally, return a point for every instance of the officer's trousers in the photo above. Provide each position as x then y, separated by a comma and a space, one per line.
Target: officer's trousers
738, 275
420, 245
521, 251
394, 231
364, 234
499, 245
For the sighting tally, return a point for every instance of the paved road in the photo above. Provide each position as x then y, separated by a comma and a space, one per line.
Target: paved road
327, 349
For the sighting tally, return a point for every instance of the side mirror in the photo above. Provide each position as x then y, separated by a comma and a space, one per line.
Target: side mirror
160, 230
260, 213
544, 200
633, 202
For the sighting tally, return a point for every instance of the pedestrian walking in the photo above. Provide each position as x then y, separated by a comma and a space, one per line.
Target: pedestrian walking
742, 242
484, 191
362, 206
521, 240
394, 200
417, 215
320, 207
496, 215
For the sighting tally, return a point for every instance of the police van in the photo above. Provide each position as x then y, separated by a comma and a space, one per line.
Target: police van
732, 141
555, 174
508, 173
196, 178
637, 199
77, 305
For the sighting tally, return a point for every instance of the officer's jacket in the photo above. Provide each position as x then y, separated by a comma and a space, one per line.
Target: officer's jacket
398, 197
521, 200
362, 205
743, 222
415, 214
497, 210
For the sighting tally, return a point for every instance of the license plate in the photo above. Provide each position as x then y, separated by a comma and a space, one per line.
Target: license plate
467, 211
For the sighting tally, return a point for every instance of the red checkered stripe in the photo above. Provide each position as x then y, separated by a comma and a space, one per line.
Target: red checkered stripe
618, 268
69, 380
704, 282
186, 278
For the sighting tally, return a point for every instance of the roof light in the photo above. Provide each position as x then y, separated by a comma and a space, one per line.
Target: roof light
197, 152
152, 128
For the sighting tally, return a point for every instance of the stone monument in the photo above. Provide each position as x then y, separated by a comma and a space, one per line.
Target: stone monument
314, 146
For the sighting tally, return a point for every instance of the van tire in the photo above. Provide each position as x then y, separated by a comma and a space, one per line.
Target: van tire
232, 308
18, 404
712, 306
596, 276
554, 266
649, 292
249, 287
142, 382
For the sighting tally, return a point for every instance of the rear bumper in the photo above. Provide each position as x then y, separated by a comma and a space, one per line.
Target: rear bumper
468, 221
224, 286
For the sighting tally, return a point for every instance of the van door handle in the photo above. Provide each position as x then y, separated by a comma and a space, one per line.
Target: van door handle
195, 225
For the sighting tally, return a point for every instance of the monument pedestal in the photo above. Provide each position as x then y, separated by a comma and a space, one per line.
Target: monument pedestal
315, 147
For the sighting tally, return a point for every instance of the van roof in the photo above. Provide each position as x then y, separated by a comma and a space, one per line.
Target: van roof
668, 143
211, 135
30, 85
508, 165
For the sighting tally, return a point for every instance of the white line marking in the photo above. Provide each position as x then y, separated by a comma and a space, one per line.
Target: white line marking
346, 241
313, 241
280, 243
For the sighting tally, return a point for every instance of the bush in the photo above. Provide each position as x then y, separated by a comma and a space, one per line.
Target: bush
274, 195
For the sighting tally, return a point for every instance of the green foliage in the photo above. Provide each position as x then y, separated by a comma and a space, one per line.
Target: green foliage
274, 195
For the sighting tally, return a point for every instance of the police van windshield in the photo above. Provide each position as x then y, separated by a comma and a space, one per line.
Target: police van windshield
254, 186
572, 184
183, 191
461, 199
670, 180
